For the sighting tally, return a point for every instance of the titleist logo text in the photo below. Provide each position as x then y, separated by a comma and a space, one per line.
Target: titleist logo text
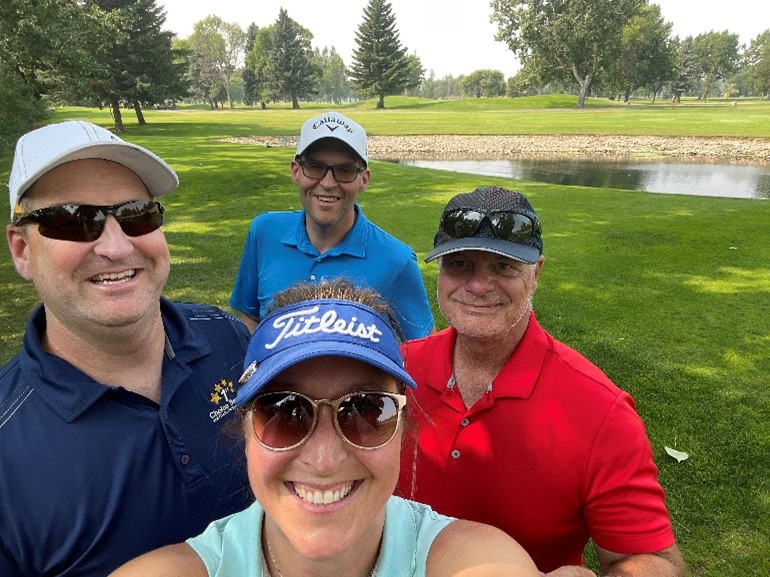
300, 323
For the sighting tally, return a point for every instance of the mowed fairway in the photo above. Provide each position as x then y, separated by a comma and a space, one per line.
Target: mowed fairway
668, 294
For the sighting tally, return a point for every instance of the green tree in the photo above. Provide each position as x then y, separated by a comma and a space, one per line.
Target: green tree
483, 84
757, 63
45, 50
686, 70
333, 85
563, 38
446, 87
138, 58
415, 75
219, 47
290, 69
716, 55
250, 79
258, 61
646, 54
380, 67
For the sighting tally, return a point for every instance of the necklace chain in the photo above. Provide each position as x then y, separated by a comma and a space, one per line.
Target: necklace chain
278, 569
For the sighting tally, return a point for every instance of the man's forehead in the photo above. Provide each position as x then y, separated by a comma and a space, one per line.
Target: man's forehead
330, 147
85, 173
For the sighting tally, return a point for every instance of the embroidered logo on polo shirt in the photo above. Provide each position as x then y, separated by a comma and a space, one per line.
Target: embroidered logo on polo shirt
223, 397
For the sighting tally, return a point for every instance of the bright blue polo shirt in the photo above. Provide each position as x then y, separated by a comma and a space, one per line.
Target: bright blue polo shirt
92, 475
278, 253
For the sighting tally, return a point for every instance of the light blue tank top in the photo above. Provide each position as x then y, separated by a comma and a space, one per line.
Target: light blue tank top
227, 546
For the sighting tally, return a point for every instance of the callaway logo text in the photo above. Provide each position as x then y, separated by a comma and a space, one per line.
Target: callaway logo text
331, 119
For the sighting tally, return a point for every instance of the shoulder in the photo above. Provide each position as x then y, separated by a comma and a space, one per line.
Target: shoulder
268, 219
385, 241
436, 341
563, 363
171, 561
194, 328
475, 549
203, 315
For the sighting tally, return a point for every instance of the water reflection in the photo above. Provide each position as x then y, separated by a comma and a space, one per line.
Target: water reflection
712, 179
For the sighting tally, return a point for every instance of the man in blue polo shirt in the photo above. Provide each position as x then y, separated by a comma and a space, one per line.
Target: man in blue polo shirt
110, 414
330, 237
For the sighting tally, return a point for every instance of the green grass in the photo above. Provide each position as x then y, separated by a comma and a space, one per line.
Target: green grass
669, 294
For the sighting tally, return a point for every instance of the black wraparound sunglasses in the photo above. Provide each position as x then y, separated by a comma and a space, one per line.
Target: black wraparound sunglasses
506, 224
85, 222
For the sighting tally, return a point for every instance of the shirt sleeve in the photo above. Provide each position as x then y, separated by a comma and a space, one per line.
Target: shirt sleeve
245, 295
410, 302
625, 504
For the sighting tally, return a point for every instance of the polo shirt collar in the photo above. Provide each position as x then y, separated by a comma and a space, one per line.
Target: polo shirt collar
519, 375
69, 391
352, 244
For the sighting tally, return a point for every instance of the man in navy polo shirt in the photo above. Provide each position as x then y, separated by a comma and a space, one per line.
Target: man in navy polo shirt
110, 414
330, 237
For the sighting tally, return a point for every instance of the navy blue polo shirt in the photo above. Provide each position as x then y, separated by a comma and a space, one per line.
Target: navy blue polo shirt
92, 475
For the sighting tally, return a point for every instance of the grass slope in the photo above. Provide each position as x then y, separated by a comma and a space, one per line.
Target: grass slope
669, 294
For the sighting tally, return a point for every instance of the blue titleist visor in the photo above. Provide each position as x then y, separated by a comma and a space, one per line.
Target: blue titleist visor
319, 328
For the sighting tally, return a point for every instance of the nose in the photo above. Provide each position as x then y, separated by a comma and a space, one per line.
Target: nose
325, 450
479, 280
113, 243
328, 181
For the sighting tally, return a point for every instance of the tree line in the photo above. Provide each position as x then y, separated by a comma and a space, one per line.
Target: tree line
116, 54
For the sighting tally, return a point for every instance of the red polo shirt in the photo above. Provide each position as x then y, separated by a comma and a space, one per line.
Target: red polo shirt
553, 455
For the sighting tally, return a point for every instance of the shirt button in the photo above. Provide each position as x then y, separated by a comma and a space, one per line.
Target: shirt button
185, 459
465, 422
455, 454
312, 277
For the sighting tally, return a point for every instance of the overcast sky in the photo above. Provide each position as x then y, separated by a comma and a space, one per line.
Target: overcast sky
449, 36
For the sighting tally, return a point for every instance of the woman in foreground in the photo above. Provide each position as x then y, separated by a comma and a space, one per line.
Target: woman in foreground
323, 413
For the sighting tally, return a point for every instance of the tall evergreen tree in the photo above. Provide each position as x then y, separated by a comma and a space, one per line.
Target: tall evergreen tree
139, 59
380, 66
291, 72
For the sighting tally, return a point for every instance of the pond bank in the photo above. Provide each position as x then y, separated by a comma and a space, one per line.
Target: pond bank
750, 150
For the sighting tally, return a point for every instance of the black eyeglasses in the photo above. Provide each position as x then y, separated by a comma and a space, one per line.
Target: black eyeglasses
506, 224
285, 420
316, 170
85, 222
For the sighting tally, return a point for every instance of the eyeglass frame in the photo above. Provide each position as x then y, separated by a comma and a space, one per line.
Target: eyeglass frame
399, 398
301, 161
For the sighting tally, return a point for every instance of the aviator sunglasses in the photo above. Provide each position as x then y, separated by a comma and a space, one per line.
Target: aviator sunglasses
506, 224
285, 420
85, 222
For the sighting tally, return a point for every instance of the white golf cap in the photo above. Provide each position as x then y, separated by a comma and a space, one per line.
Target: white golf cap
333, 125
43, 149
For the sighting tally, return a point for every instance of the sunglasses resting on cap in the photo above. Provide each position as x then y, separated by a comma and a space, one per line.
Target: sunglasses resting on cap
506, 224
85, 222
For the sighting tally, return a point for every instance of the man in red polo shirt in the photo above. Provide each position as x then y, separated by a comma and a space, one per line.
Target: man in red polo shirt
516, 429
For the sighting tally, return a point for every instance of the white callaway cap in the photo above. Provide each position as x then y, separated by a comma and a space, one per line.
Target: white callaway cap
333, 125
43, 149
